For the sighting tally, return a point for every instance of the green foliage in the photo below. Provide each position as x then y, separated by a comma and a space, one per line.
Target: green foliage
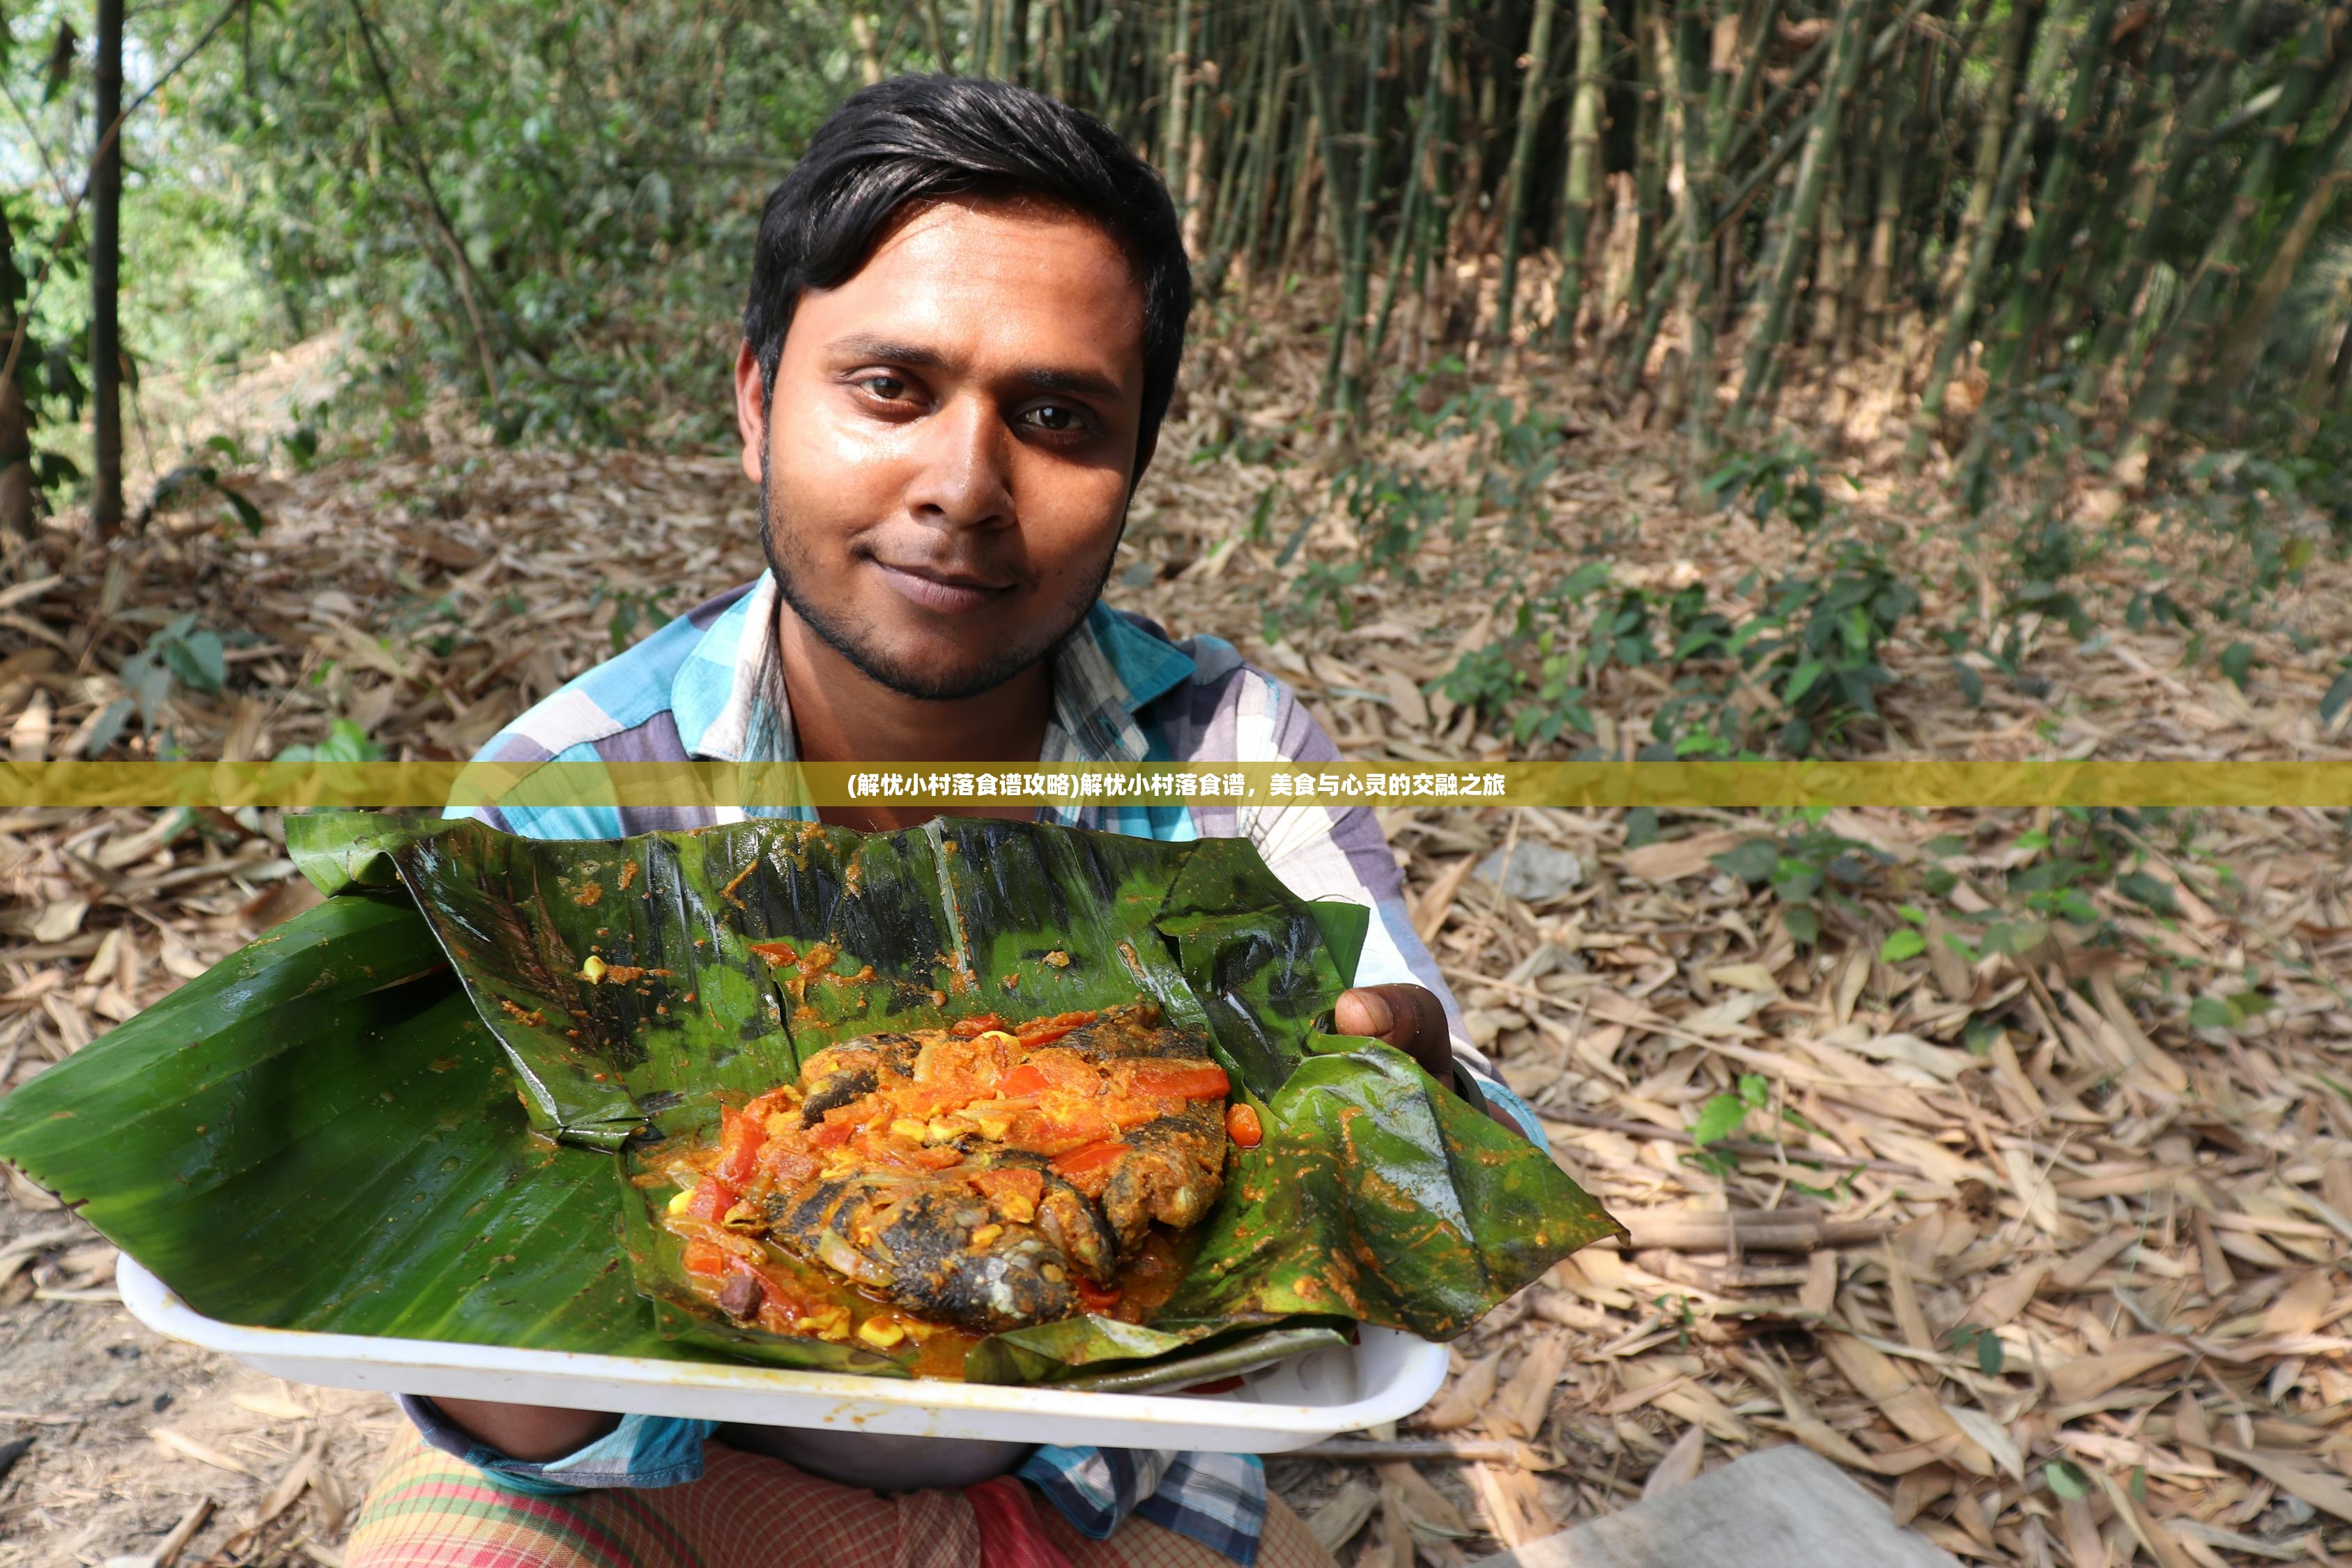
632, 608
1811, 870
2067, 1479
180, 653
345, 743
1816, 644
193, 481
2229, 1013
48, 373
1725, 1114
1779, 481
1984, 1342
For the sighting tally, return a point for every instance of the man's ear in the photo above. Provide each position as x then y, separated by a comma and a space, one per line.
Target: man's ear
750, 412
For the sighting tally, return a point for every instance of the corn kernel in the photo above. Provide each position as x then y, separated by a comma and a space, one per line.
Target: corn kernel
1016, 1208
985, 1234
832, 1323
942, 1133
677, 1205
594, 969
909, 1129
880, 1333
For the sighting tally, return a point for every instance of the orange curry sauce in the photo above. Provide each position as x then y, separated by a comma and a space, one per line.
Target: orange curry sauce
1005, 1081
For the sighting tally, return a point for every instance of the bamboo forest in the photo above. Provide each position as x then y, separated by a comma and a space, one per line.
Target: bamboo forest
2104, 226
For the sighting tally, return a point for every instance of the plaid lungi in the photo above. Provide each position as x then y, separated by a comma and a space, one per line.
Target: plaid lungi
430, 1510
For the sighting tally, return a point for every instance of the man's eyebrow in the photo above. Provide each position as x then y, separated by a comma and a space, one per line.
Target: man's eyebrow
1076, 383
867, 348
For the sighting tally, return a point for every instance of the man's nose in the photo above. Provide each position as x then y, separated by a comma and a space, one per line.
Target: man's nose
965, 477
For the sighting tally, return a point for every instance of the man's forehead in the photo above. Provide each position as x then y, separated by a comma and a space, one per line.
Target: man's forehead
966, 265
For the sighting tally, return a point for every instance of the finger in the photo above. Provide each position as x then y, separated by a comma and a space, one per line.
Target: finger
1364, 1011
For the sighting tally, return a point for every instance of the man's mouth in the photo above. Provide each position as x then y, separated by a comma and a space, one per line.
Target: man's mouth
939, 589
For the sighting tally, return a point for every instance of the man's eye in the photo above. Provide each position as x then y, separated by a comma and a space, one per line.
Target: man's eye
889, 388
1057, 417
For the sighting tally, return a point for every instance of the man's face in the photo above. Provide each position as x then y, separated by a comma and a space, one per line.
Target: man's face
952, 444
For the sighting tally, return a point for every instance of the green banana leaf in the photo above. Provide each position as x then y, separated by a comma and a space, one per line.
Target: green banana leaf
416, 1091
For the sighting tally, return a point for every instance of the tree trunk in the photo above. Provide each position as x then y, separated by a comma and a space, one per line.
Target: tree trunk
1812, 178
106, 275
1961, 314
1692, 31
1886, 222
1177, 130
2054, 215
1829, 256
1650, 158
1582, 186
1356, 281
2242, 344
16, 417
1992, 142
2173, 365
1419, 176
869, 48
1516, 174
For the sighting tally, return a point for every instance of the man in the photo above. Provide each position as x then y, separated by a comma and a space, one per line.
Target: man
966, 315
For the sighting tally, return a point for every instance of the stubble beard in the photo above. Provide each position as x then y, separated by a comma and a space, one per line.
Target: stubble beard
856, 642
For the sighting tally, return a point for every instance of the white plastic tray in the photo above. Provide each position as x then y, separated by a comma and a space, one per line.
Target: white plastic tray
1386, 1376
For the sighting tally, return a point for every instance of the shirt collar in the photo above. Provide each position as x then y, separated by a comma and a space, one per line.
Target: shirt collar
1105, 672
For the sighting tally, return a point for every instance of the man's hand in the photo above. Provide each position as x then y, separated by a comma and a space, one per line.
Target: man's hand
1411, 1018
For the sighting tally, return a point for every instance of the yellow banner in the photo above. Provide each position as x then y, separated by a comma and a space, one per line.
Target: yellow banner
950, 785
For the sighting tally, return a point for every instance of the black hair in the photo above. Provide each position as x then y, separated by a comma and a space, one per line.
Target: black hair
917, 138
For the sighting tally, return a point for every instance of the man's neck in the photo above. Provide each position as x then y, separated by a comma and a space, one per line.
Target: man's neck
841, 714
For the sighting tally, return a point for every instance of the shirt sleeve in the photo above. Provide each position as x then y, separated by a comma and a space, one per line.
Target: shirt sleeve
1337, 852
642, 1451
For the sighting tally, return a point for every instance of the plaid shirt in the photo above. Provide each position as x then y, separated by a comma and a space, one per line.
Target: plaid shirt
1122, 693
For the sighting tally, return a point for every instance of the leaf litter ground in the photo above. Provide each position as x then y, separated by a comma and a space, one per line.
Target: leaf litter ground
2041, 1238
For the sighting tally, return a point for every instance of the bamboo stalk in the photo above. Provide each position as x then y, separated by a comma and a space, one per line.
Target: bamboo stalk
2244, 341
1962, 312
1582, 186
1516, 174
2171, 365
2054, 210
1813, 177
1692, 27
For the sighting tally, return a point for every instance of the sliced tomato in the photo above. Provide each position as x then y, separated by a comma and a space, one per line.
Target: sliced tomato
1207, 1081
738, 1146
1094, 1298
1243, 1126
833, 1132
969, 1028
785, 1164
1023, 1079
937, 1157
1019, 1182
1038, 1031
711, 1201
1072, 1131
1093, 1157
779, 1099
705, 1258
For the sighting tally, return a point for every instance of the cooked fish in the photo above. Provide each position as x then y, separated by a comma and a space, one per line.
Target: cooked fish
985, 1175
